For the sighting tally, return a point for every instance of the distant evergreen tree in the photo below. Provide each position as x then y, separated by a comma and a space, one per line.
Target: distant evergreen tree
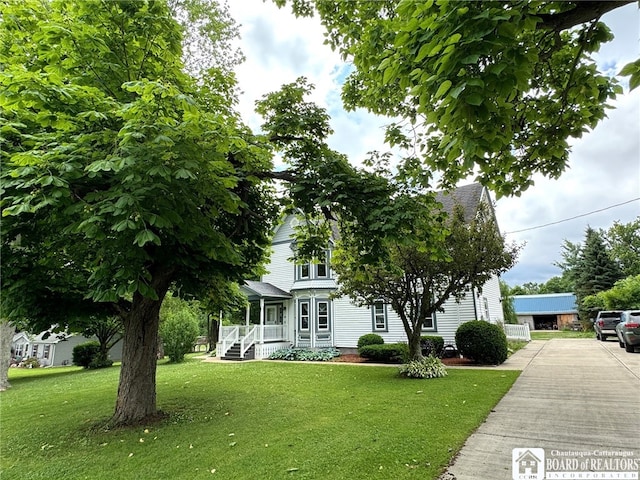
596, 271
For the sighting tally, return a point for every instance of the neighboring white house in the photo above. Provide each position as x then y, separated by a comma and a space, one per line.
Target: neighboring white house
54, 349
296, 308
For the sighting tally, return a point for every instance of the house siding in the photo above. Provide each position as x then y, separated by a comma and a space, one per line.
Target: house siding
348, 321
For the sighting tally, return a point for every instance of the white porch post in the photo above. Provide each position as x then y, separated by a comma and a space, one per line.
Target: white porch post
261, 320
247, 315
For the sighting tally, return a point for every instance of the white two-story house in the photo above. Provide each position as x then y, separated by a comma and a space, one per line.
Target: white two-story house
296, 307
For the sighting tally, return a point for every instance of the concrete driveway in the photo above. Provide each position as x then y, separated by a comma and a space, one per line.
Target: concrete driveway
576, 403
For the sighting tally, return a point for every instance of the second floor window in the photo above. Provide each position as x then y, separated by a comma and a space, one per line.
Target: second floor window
317, 269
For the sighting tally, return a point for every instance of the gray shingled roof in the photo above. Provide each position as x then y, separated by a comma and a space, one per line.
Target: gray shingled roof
468, 196
263, 289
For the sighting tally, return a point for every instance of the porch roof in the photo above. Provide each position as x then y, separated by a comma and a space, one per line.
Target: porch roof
265, 290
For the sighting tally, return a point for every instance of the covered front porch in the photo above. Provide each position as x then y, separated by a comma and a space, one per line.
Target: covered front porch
251, 340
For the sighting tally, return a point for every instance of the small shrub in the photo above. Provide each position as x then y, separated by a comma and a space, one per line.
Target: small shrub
30, 363
179, 331
428, 367
305, 354
482, 342
385, 353
431, 345
370, 339
99, 362
84, 353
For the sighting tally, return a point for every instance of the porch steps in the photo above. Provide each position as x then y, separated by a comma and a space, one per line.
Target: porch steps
234, 353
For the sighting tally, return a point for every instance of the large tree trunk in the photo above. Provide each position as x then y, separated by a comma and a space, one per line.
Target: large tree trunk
6, 336
137, 389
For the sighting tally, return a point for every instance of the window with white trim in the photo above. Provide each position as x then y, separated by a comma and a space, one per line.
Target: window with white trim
485, 304
304, 315
47, 351
322, 268
379, 313
304, 271
323, 315
429, 323
319, 268
34, 350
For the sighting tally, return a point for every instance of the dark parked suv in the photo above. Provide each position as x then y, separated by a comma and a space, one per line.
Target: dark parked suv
605, 324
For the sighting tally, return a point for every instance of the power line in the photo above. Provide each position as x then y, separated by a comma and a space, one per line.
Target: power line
573, 218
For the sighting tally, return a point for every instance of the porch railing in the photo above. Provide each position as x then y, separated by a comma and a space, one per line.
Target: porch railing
248, 335
517, 332
248, 340
229, 336
273, 332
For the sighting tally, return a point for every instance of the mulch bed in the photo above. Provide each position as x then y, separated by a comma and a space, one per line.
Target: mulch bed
355, 358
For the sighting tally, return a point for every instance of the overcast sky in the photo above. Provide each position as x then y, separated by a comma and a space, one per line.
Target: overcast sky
604, 164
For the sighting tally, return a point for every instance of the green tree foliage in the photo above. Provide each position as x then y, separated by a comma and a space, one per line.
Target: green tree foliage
557, 284
121, 174
624, 295
419, 273
479, 86
597, 271
623, 241
508, 309
179, 327
108, 331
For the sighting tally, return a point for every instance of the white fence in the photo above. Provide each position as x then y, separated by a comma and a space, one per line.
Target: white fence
517, 332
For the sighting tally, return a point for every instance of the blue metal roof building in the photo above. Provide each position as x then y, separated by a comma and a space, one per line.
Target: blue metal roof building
545, 304
547, 311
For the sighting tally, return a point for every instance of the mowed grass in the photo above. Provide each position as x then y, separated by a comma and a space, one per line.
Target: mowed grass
550, 334
250, 420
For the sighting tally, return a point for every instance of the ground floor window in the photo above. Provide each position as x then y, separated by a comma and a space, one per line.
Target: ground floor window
304, 315
323, 315
34, 351
47, 351
379, 312
429, 323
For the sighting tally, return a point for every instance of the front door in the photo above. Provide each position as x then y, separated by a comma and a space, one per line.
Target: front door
274, 328
271, 315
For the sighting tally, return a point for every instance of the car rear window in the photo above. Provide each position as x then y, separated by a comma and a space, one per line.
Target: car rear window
610, 315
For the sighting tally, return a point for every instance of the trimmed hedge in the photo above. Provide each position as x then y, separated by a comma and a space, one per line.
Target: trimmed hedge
385, 353
431, 345
482, 342
370, 339
85, 353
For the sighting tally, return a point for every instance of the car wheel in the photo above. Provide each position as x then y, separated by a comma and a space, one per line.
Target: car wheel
629, 348
603, 338
621, 343
597, 336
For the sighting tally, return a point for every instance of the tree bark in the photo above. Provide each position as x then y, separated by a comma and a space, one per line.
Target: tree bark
136, 400
6, 336
415, 350
584, 11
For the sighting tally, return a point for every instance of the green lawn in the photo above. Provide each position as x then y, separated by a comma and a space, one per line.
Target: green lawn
251, 420
549, 334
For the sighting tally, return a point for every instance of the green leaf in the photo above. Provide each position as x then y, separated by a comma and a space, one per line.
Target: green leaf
444, 88
474, 99
145, 236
